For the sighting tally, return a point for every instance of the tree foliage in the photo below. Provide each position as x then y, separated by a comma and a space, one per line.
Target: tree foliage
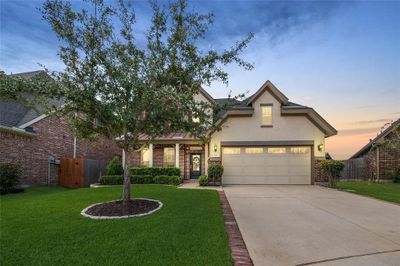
114, 86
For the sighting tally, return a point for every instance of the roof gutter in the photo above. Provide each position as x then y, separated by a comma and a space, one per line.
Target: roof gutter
17, 131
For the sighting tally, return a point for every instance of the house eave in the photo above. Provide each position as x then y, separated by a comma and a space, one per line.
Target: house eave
377, 139
313, 116
16, 131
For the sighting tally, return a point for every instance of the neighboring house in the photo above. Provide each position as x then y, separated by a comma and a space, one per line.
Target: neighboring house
30, 139
264, 139
378, 158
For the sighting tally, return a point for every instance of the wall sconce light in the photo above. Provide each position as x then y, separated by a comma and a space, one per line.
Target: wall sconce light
215, 148
320, 147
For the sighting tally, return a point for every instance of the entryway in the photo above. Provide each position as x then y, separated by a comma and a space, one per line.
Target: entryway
195, 165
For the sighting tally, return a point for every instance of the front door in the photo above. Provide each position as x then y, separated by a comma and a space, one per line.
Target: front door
195, 165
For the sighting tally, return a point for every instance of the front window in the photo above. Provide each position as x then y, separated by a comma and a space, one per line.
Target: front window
145, 158
169, 157
266, 115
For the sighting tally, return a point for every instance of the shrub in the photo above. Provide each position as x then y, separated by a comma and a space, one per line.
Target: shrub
156, 171
395, 175
203, 180
114, 167
111, 179
166, 179
142, 179
10, 174
215, 172
332, 168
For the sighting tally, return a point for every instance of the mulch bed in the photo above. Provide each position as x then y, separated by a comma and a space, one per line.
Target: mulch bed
239, 252
118, 208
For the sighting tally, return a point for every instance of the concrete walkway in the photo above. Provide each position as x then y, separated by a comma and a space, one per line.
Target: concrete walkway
312, 225
194, 184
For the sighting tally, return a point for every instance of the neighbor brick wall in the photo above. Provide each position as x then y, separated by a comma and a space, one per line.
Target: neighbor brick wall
389, 159
52, 137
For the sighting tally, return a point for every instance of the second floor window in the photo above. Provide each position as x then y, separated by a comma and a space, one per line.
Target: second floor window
266, 115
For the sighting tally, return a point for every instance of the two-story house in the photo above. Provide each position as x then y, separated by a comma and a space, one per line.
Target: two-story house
265, 139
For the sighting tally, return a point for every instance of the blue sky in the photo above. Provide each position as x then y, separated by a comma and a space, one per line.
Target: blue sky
342, 58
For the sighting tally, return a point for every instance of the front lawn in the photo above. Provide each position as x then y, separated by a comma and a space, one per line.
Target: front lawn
383, 191
43, 226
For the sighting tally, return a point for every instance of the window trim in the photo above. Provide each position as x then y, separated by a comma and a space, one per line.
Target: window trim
142, 162
262, 118
168, 163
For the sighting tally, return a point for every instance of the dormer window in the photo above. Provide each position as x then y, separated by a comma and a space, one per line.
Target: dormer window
266, 115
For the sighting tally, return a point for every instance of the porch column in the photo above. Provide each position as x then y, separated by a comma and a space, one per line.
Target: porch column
151, 155
123, 158
206, 158
177, 155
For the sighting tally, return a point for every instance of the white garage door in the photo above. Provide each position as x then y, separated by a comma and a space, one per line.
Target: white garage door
266, 165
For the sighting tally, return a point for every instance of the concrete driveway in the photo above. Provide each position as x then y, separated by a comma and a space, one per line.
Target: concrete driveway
312, 225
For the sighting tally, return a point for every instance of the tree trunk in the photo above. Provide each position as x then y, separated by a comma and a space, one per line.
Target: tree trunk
126, 191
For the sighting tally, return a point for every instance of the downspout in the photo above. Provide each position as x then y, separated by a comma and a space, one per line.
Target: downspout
48, 172
377, 164
74, 154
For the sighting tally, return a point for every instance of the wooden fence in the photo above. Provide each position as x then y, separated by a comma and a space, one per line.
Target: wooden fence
354, 169
80, 172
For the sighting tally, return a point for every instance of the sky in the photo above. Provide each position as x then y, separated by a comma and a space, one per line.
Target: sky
342, 58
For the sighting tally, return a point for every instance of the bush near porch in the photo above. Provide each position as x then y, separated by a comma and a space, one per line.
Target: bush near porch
155, 171
142, 179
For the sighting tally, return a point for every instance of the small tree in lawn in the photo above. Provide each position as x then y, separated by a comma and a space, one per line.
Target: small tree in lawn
333, 169
116, 88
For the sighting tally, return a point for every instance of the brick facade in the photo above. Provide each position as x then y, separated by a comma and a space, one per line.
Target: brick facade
52, 137
318, 175
184, 158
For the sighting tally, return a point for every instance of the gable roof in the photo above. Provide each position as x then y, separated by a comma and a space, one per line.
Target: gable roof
207, 95
287, 108
14, 114
379, 138
268, 86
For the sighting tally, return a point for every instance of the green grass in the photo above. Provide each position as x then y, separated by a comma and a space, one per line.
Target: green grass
43, 226
383, 191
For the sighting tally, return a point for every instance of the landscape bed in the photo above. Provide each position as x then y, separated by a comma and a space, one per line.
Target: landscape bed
384, 191
43, 226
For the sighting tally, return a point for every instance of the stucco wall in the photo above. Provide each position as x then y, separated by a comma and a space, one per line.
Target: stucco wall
284, 128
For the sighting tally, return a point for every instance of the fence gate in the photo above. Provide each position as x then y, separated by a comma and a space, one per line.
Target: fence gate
80, 172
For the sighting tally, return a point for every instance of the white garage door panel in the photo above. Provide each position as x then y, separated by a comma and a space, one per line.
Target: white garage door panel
267, 168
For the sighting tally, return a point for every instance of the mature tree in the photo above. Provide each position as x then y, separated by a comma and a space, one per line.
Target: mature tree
115, 87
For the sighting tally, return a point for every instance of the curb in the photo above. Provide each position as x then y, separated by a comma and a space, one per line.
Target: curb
239, 252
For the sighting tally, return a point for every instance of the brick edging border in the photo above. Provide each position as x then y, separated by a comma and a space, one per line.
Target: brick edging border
239, 252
